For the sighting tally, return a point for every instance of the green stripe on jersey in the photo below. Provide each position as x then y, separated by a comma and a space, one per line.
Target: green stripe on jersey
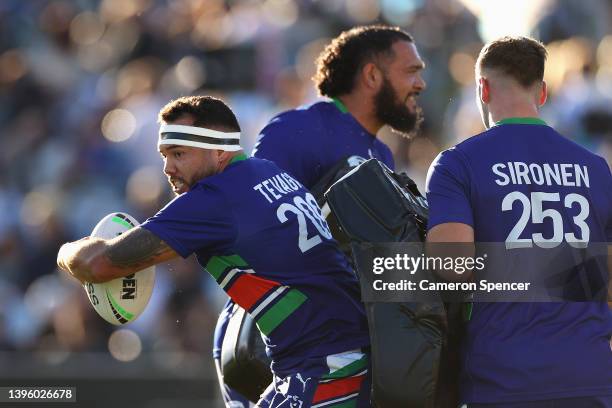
349, 370
280, 311
352, 403
237, 158
217, 264
467, 311
520, 121
341, 107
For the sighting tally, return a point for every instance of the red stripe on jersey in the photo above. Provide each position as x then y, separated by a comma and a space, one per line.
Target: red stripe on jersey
337, 388
248, 289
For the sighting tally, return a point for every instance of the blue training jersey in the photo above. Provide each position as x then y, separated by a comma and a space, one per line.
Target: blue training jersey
261, 235
507, 183
309, 141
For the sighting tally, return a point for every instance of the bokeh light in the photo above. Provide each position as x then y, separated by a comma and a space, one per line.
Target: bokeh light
38, 206
604, 52
363, 11
190, 73
461, 67
86, 28
45, 295
144, 186
138, 77
119, 10
118, 125
281, 13
305, 61
124, 345
12, 66
399, 12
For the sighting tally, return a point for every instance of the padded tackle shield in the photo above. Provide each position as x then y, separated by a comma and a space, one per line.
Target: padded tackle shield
373, 205
245, 365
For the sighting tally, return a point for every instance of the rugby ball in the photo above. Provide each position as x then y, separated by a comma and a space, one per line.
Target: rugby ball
121, 300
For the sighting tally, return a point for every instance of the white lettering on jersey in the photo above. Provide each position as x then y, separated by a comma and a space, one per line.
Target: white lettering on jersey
564, 174
277, 186
497, 170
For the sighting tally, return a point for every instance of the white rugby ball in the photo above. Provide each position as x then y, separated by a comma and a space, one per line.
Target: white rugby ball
121, 300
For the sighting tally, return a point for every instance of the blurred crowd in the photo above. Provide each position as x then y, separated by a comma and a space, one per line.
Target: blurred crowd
81, 83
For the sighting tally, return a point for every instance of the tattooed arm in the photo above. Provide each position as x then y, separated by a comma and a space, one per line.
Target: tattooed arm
98, 260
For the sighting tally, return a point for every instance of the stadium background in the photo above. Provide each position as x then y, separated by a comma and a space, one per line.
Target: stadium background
80, 86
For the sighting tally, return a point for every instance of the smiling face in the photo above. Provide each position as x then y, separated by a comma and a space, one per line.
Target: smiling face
184, 166
395, 102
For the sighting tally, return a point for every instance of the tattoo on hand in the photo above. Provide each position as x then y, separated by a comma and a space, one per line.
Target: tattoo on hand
137, 247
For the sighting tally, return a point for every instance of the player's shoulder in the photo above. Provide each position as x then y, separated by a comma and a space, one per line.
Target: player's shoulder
504, 135
474, 142
240, 173
453, 154
579, 152
293, 130
260, 163
302, 116
458, 156
584, 151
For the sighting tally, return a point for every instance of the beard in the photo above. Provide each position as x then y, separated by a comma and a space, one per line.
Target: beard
392, 111
178, 185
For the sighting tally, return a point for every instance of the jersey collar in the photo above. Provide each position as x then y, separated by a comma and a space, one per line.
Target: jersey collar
237, 158
340, 105
342, 108
520, 121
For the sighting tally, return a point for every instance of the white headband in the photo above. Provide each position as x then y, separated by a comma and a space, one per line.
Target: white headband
198, 137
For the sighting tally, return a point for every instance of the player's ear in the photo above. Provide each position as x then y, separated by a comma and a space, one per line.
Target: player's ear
484, 90
543, 94
371, 76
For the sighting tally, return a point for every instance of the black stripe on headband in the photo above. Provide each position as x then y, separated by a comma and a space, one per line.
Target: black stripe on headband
200, 139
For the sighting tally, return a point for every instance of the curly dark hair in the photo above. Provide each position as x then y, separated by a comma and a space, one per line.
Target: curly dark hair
338, 64
207, 111
521, 58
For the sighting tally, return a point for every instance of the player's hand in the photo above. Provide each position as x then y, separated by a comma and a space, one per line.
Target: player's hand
66, 258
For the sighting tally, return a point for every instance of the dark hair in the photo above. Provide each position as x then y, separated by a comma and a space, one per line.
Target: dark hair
206, 111
520, 58
339, 63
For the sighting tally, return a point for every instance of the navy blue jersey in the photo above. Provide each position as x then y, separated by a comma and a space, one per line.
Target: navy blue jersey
261, 235
524, 184
309, 141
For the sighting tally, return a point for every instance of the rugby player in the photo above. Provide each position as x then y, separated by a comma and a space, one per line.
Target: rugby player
501, 186
372, 76
260, 234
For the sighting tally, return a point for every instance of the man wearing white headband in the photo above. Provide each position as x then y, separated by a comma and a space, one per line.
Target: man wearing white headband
201, 145
262, 237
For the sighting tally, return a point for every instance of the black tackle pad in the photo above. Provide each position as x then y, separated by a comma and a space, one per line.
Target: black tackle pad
372, 204
413, 363
244, 363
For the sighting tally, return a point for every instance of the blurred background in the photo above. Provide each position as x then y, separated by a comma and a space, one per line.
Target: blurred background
81, 83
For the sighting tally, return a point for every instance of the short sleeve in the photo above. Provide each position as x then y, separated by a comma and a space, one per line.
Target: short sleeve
448, 190
200, 220
287, 142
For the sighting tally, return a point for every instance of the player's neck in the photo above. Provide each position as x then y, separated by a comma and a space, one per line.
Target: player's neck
504, 112
360, 108
232, 158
